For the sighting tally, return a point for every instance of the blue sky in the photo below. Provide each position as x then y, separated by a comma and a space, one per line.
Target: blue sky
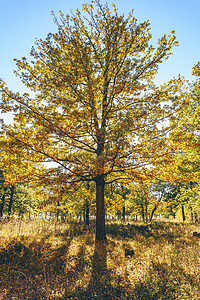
21, 21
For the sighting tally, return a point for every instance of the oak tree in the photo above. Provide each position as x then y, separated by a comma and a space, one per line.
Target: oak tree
93, 109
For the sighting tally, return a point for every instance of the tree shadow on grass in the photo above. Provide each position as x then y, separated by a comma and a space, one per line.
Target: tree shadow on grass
128, 231
98, 277
100, 282
159, 282
38, 270
76, 229
163, 282
156, 231
27, 269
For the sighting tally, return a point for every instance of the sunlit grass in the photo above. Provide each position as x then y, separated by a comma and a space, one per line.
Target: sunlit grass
42, 259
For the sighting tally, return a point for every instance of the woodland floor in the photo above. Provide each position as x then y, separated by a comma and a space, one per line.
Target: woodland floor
47, 260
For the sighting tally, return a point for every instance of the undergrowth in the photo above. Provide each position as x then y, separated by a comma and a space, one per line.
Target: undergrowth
43, 259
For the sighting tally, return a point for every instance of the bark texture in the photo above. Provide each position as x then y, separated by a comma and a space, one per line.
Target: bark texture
100, 210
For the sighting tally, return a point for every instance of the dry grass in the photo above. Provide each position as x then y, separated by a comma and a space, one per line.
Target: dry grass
47, 260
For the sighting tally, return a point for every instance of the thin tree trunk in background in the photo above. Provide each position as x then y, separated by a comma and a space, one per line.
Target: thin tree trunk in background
12, 189
123, 213
191, 214
152, 213
146, 212
183, 213
142, 207
100, 210
87, 210
58, 211
196, 217
2, 203
123, 208
156, 205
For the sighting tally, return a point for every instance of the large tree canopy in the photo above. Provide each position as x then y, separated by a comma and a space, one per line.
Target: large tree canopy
95, 111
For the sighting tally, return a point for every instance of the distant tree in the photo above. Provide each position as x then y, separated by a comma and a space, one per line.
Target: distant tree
158, 190
2, 193
183, 172
139, 199
25, 200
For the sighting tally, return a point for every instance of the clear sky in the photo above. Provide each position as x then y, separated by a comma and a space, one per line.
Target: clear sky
21, 21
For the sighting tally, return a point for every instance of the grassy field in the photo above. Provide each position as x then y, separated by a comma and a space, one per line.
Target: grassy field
47, 260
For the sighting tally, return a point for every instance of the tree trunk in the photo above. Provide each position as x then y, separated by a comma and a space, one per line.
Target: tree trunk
156, 206
100, 209
142, 211
183, 213
87, 209
12, 188
196, 217
146, 213
123, 213
58, 211
2, 203
152, 213
191, 214
123, 208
